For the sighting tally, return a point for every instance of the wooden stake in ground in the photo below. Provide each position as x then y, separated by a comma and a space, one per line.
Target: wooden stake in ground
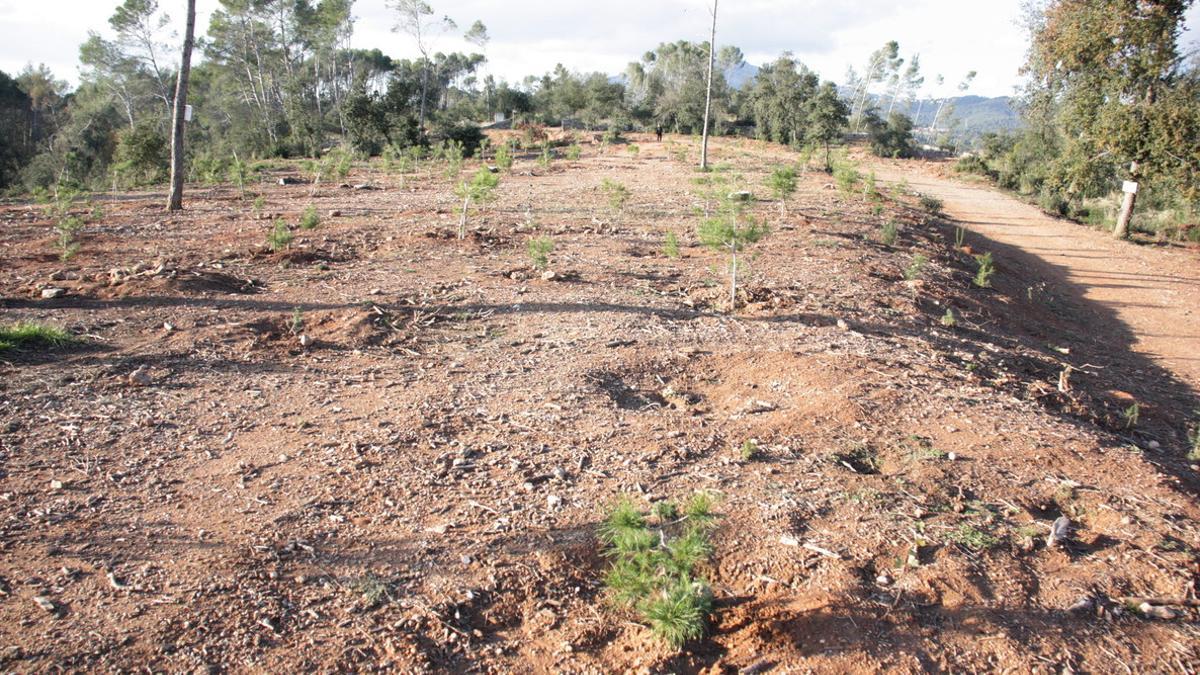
175, 203
1131, 189
712, 62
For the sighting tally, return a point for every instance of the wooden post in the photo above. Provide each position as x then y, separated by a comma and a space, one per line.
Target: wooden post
712, 62
175, 202
1121, 231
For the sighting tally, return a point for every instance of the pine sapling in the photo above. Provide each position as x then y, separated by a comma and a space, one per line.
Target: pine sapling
539, 251
617, 196
732, 229
309, 220
479, 190
671, 246
983, 276
280, 236
504, 156
783, 185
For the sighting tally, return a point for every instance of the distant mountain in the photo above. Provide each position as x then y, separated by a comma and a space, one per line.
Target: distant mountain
741, 75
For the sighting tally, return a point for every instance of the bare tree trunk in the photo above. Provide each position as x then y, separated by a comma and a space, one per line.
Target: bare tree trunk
175, 202
733, 282
1121, 231
712, 62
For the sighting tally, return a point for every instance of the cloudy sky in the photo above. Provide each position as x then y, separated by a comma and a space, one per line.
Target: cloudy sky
531, 36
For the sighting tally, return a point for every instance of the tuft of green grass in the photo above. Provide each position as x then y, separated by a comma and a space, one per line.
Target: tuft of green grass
973, 538
749, 450
574, 152
987, 268
32, 336
671, 245
310, 220
949, 320
654, 569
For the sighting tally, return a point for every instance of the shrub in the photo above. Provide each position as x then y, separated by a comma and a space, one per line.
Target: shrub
465, 135
539, 251
949, 320
142, 155
574, 152
654, 565
310, 220
280, 236
893, 139
32, 335
932, 205
983, 276
749, 450
546, 158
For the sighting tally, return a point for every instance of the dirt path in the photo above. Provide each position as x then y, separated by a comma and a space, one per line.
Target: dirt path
1154, 292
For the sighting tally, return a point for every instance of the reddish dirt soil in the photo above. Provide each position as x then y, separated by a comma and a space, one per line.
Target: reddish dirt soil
418, 488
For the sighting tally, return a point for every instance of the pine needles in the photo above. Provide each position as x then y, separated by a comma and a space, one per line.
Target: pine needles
654, 564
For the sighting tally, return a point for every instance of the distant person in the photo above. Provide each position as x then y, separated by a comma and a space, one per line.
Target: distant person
658, 131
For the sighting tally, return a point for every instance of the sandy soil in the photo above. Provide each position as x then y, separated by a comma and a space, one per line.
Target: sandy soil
1154, 291
418, 488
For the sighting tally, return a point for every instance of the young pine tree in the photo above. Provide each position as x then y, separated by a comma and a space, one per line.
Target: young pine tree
480, 189
732, 229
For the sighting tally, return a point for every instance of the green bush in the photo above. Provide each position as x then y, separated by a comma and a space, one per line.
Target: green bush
143, 155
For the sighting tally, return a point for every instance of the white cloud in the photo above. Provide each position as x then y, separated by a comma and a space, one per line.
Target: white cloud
531, 36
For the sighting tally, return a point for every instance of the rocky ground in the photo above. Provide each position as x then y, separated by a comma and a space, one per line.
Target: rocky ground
387, 449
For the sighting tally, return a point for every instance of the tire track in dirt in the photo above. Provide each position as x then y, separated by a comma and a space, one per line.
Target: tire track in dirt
1155, 292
